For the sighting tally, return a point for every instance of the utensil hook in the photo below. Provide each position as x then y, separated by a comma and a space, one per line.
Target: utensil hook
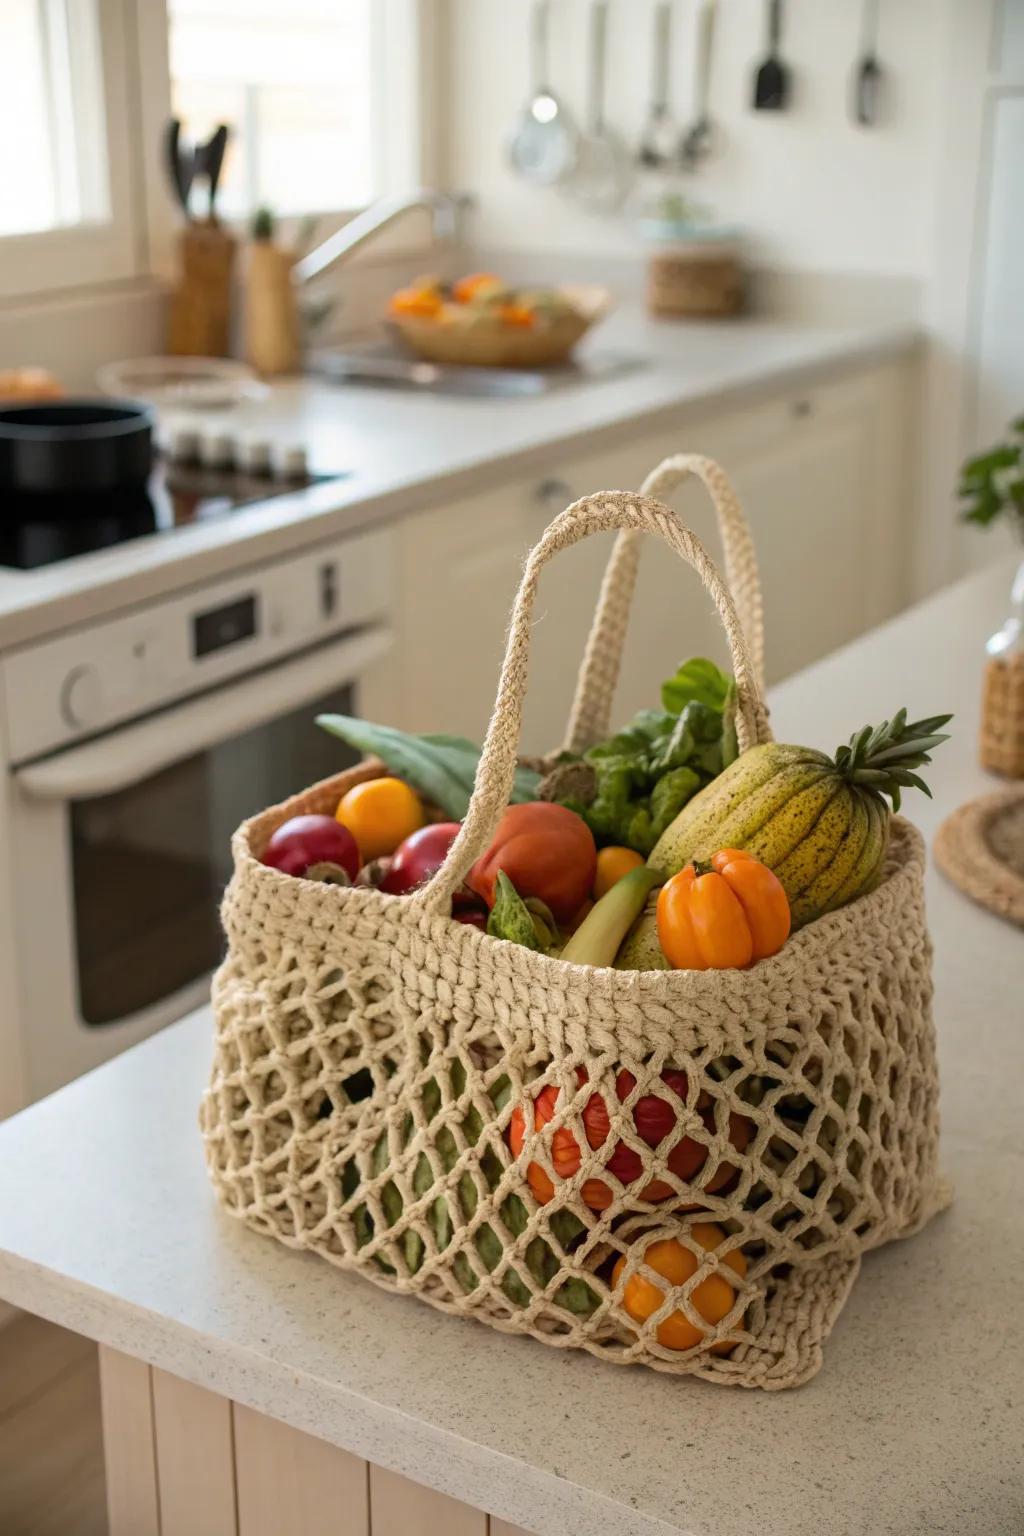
598, 51
705, 46
869, 29
539, 44
774, 25
662, 55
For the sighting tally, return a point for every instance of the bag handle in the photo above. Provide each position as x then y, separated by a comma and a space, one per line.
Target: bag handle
590, 716
496, 768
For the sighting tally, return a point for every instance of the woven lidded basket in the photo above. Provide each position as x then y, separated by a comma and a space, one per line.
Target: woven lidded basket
371, 1053
1002, 716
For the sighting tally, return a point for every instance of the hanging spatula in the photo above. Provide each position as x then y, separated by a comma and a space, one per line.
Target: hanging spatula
772, 81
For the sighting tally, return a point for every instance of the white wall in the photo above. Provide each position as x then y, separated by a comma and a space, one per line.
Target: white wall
815, 191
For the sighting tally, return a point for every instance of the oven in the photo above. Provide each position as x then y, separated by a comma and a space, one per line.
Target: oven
136, 746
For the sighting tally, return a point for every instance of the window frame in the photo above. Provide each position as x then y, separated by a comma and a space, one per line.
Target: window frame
101, 252
139, 239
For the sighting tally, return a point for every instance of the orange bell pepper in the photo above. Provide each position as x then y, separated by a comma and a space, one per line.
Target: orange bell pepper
721, 915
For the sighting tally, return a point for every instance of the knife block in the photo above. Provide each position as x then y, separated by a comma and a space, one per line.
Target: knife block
271, 313
200, 316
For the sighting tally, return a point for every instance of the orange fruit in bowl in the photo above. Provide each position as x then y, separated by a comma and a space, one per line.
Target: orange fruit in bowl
713, 1298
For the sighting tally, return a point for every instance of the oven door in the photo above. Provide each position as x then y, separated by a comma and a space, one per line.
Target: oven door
122, 847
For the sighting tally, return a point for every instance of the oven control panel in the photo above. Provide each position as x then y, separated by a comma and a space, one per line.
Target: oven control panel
97, 676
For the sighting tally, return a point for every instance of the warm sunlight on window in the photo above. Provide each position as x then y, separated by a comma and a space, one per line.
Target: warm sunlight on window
294, 82
51, 116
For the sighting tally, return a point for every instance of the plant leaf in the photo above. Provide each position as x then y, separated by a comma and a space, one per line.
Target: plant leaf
442, 768
510, 917
696, 681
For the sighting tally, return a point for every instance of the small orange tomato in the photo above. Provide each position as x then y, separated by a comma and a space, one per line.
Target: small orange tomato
380, 814
473, 284
713, 1298
721, 915
521, 316
612, 864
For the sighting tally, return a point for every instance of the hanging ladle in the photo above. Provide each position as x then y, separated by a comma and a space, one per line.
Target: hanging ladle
603, 170
543, 147
659, 143
698, 140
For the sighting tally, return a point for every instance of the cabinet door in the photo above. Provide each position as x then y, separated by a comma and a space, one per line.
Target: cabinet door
822, 477
459, 566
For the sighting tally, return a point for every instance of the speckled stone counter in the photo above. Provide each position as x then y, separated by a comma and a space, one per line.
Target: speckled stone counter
915, 1425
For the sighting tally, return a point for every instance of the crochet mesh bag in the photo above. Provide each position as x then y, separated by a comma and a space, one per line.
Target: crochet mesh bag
371, 1055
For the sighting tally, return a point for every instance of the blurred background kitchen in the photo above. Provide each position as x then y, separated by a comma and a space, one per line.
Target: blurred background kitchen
262, 452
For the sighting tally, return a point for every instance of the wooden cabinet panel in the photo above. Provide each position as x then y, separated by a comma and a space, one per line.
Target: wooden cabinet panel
502, 1528
128, 1444
195, 1459
399, 1507
290, 1481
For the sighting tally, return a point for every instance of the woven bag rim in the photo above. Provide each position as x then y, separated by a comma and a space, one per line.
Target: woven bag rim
810, 946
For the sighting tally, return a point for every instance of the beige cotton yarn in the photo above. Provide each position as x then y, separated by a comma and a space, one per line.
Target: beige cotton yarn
371, 1056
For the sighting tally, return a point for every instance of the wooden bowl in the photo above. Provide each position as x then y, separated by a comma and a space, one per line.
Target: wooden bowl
481, 342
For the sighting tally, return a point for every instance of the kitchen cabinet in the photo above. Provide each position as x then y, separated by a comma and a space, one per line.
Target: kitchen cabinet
823, 474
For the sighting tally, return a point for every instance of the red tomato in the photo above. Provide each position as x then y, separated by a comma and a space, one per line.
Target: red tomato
547, 851
655, 1117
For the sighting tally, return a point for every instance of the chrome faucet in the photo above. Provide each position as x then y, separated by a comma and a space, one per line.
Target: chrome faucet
445, 208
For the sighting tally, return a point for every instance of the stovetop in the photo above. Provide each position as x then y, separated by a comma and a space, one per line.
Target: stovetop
42, 530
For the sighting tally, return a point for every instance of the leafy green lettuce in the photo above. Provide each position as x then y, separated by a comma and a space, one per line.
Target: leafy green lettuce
643, 775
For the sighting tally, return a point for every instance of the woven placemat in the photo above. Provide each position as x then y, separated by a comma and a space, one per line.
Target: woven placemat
981, 849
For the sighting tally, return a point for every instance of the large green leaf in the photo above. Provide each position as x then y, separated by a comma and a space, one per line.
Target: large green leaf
441, 767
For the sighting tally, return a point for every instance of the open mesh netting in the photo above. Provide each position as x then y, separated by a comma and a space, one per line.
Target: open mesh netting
369, 1068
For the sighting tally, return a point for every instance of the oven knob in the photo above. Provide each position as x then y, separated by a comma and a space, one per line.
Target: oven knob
81, 697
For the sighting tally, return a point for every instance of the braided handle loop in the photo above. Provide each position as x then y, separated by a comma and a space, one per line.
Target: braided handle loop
590, 716
496, 769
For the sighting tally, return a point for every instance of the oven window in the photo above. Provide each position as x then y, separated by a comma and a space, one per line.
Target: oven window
150, 862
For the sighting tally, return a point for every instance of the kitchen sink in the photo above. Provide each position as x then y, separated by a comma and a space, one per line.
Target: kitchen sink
384, 367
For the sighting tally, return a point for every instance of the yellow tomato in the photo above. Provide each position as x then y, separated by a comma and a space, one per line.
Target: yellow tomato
380, 814
713, 1298
612, 864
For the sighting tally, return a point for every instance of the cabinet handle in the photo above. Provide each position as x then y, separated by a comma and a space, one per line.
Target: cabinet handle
801, 408
553, 494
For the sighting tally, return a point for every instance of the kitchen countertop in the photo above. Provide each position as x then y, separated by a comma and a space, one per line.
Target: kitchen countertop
402, 452
912, 1428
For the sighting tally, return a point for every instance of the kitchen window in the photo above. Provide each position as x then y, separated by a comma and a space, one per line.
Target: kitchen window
295, 81
65, 208
325, 99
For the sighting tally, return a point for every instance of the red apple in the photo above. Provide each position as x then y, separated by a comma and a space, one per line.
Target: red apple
304, 841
